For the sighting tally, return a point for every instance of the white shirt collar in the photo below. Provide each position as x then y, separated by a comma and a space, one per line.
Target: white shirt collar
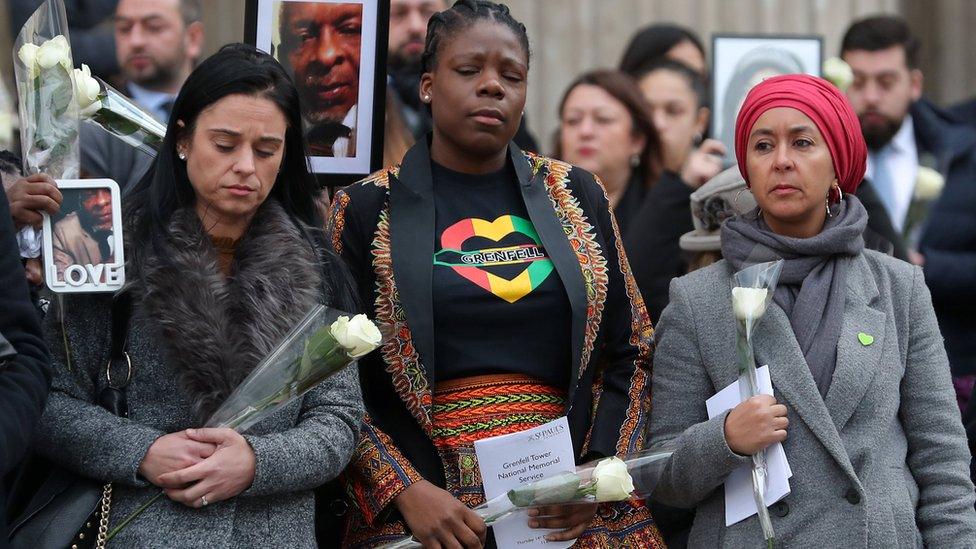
901, 159
341, 146
904, 140
151, 100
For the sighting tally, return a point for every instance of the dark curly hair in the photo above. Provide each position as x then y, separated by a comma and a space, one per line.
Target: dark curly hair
461, 15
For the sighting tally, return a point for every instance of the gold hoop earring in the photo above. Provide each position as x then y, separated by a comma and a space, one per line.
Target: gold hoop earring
735, 199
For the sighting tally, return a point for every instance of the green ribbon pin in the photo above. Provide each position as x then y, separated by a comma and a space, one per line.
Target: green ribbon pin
865, 339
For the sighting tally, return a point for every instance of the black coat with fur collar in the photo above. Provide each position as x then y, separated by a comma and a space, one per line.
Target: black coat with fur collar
193, 336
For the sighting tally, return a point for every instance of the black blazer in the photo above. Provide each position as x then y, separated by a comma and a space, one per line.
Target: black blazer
384, 228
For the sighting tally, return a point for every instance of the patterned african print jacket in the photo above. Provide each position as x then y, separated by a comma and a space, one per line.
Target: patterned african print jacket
384, 227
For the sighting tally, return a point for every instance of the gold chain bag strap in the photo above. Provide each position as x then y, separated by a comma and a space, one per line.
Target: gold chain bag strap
113, 398
106, 504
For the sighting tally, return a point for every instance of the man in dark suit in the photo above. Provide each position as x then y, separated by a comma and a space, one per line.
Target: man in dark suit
904, 132
24, 373
158, 43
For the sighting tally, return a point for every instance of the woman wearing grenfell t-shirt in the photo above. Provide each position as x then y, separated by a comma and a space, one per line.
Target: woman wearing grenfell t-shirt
502, 277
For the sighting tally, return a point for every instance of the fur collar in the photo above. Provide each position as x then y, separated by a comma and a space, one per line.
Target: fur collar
214, 330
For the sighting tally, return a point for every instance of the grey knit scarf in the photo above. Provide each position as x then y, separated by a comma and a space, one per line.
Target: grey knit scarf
812, 288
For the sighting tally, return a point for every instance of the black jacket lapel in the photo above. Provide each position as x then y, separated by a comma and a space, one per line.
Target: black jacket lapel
412, 247
543, 216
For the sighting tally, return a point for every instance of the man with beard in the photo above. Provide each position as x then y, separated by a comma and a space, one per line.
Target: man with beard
408, 32
157, 43
85, 236
408, 29
903, 132
320, 43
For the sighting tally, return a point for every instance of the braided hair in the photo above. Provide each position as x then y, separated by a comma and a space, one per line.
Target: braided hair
461, 15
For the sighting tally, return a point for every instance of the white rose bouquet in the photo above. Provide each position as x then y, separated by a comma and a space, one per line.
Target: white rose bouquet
752, 290
48, 114
605, 480
115, 113
321, 345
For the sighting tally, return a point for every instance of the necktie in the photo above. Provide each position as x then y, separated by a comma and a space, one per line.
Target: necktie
884, 184
167, 108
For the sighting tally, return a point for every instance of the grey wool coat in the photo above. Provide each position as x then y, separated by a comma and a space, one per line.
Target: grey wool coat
881, 462
193, 336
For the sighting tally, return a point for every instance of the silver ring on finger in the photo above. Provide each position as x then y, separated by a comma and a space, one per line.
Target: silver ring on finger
203, 501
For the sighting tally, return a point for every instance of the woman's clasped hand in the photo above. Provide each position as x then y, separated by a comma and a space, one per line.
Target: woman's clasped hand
224, 470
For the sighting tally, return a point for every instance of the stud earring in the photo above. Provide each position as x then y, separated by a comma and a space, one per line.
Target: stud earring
635, 160
427, 98
182, 155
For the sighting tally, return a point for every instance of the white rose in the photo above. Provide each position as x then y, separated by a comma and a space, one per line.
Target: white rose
358, 336
28, 55
613, 482
838, 72
53, 52
86, 91
928, 184
749, 303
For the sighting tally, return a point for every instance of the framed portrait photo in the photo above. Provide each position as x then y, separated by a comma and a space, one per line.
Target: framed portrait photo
82, 244
335, 51
741, 61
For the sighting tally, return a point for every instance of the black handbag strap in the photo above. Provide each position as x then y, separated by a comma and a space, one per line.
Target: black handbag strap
113, 397
121, 311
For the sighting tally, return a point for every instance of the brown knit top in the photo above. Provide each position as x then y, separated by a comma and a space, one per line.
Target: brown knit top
225, 247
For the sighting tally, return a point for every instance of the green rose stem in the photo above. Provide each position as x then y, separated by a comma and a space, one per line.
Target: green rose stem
747, 373
323, 356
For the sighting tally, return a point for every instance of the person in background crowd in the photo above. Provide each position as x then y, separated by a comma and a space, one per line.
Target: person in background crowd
676, 95
474, 354
397, 138
679, 108
28, 197
859, 372
904, 132
157, 44
92, 42
321, 47
408, 26
663, 41
605, 128
224, 256
24, 361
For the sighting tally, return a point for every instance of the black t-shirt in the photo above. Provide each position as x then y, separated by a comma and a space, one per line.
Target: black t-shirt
499, 304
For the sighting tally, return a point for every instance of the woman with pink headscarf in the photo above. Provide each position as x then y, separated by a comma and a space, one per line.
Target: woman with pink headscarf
863, 403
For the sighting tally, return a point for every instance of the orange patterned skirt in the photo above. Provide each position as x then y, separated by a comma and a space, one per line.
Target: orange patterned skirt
473, 408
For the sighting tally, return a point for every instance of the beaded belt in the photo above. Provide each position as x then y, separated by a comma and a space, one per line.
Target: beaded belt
473, 408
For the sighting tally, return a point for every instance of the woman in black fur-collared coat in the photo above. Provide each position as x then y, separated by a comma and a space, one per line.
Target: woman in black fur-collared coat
223, 260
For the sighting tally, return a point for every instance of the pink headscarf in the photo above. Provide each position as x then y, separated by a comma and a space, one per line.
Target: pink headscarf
827, 108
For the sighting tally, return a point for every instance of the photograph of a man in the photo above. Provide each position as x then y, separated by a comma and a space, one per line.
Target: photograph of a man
321, 46
85, 235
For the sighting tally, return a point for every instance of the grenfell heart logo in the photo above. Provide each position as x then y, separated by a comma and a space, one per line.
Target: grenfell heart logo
470, 264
